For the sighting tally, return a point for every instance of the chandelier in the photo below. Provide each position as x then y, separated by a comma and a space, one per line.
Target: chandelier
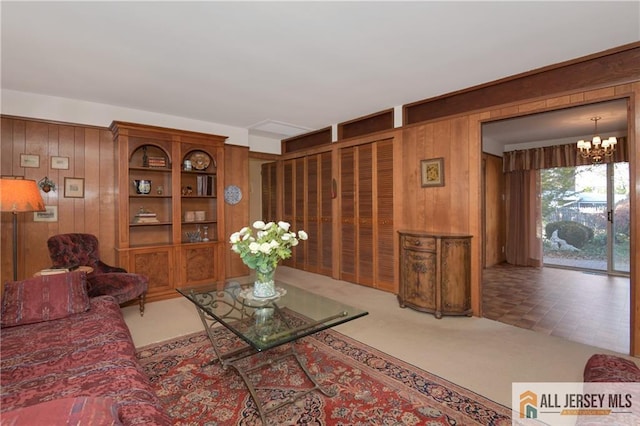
597, 149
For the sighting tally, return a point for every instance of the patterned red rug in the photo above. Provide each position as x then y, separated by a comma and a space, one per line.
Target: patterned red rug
372, 388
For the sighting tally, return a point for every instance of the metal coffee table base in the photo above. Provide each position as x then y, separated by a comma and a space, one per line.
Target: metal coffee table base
232, 359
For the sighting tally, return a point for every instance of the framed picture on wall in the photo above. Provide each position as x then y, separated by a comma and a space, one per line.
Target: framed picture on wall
60, 163
74, 187
29, 160
432, 172
49, 215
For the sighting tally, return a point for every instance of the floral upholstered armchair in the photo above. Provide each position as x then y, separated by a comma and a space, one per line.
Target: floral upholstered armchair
72, 250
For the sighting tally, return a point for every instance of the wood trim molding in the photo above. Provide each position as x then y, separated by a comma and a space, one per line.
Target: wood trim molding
307, 140
57, 123
378, 121
615, 66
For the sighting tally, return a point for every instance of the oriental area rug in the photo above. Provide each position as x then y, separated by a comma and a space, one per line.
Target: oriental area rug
371, 387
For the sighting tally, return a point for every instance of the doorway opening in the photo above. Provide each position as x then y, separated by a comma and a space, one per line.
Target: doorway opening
582, 295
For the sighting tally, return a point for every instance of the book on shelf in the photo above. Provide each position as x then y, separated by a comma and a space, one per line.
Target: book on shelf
138, 219
157, 162
146, 214
205, 185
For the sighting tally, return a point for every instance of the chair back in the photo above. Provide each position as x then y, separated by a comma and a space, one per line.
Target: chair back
73, 249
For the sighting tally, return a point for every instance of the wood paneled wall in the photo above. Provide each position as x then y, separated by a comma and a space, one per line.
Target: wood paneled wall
457, 206
236, 172
91, 157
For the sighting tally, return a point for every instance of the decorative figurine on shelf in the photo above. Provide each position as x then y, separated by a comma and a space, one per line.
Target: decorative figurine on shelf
205, 233
159, 189
145, 157
187, 190
47, 185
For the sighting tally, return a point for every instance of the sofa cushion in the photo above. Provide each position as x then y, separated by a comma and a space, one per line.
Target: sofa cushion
610, 368
44, 298
68, 411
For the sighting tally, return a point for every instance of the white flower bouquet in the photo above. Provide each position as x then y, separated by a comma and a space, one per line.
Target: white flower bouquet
271, 243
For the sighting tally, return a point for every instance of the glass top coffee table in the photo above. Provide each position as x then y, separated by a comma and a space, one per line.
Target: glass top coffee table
261, 325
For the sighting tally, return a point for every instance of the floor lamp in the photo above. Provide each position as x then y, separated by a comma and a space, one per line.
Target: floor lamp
19, 195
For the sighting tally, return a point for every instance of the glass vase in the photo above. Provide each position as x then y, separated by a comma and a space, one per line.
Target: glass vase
264, 285
264, 321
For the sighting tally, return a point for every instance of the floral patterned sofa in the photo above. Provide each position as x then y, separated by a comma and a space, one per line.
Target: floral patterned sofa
610, 369
69, 359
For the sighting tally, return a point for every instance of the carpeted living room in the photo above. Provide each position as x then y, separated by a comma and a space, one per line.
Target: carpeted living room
457, 361
248, 213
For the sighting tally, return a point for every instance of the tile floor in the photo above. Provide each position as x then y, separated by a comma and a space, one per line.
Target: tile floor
583, 307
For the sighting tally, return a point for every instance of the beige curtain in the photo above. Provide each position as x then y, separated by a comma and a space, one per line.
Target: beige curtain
524, 228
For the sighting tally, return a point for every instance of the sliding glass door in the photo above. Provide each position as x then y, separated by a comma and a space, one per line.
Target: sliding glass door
619, 215
585, 217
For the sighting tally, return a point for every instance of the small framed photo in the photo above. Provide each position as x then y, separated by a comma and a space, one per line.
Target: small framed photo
61, 163
49, 215
432, 172
29, 160
73, 187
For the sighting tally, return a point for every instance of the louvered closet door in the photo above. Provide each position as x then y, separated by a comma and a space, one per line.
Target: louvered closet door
288, 198
326, 214
269, 186
313, 217
366, 207
307, 204
298, 252
385, 276
347, 215
364, 213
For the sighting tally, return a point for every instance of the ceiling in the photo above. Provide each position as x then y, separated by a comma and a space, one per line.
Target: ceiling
284, 68
556, 127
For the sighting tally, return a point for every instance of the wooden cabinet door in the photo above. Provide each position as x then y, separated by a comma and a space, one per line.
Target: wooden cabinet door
419, 287
199, 263
157, 263
456, 275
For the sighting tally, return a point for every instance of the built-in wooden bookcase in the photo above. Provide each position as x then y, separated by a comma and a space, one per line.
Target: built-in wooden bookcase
170, 217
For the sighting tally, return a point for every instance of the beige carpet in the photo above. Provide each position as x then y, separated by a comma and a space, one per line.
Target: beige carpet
482, 355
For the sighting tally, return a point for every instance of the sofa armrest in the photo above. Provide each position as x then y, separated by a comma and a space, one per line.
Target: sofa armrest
123, 286
610, 368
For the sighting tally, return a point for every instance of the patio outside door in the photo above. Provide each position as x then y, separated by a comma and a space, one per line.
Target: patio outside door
594, 200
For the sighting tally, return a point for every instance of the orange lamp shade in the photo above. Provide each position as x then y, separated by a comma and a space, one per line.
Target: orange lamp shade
20, 195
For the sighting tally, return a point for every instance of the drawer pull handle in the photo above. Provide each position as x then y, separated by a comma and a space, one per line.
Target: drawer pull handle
416, 242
